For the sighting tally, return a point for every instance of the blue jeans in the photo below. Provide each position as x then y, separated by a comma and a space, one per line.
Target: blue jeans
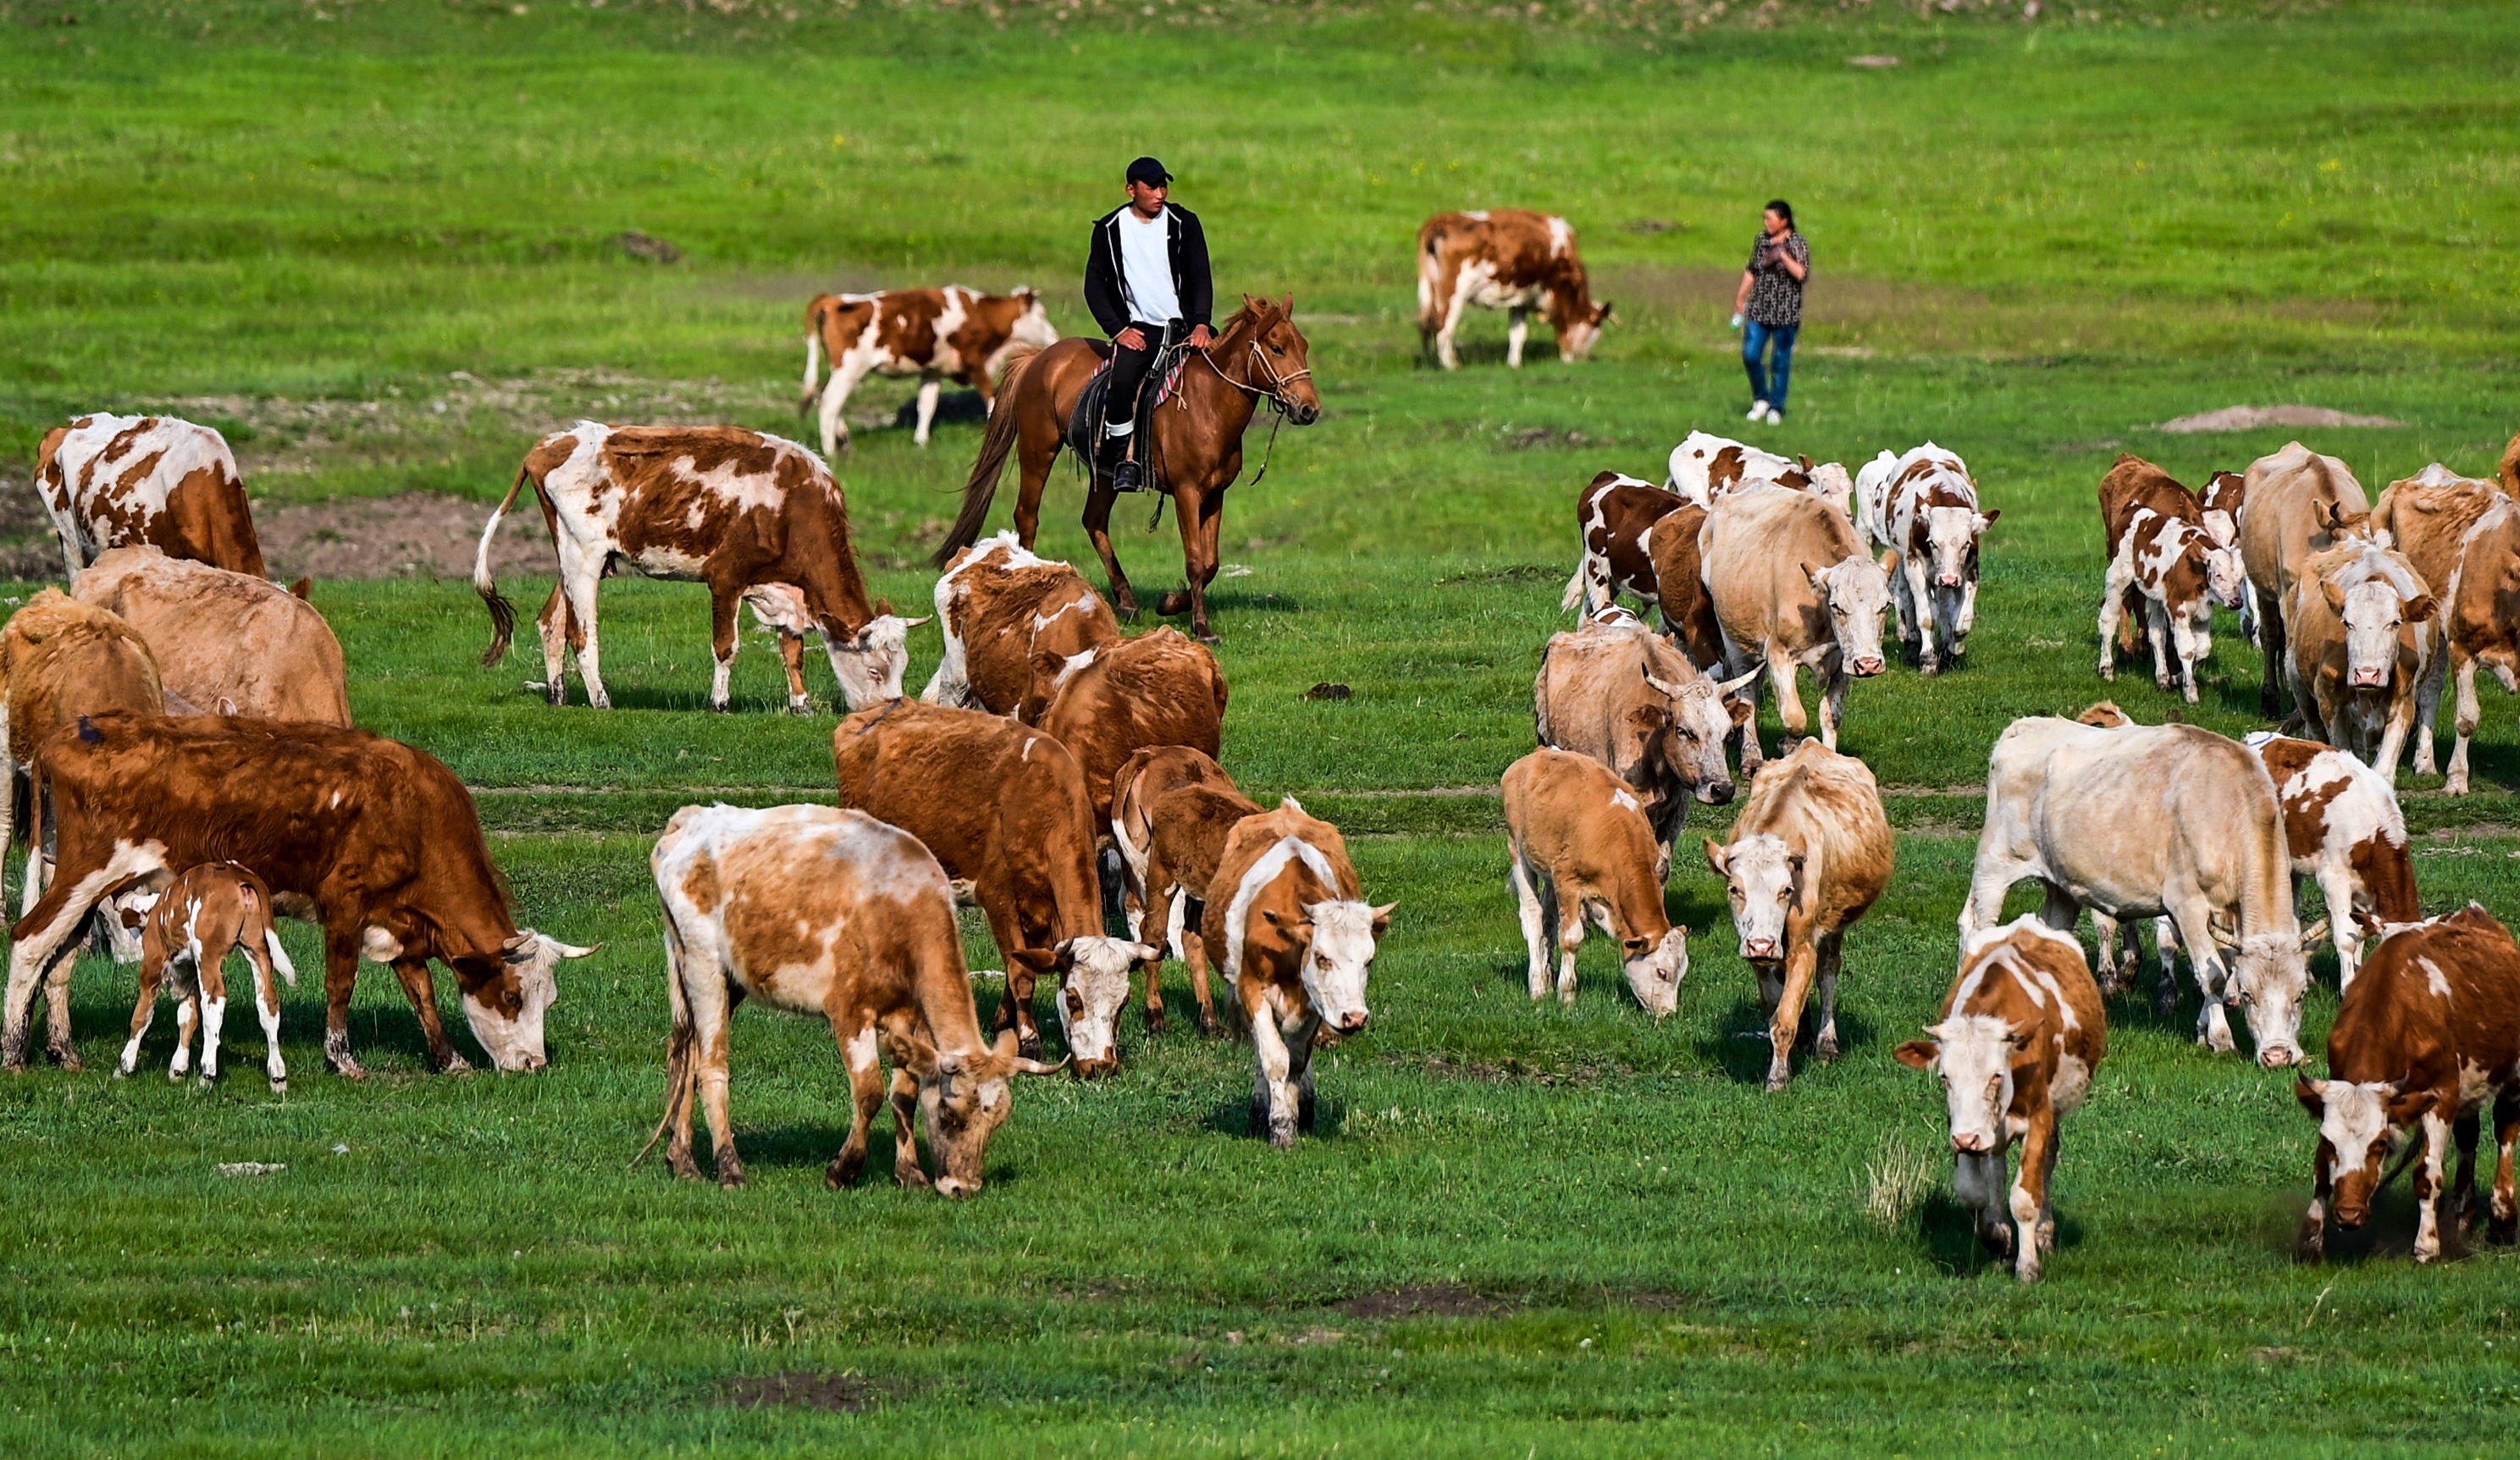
1769, 385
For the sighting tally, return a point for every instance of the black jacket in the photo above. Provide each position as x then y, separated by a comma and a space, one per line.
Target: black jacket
1108, 296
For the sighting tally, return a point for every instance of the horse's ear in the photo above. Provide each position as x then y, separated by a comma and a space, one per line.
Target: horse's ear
1286, 306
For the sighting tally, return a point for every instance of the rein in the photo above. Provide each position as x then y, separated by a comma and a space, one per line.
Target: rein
1274, 394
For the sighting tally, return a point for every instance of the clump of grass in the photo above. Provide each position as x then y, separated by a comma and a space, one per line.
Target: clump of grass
1895, 1180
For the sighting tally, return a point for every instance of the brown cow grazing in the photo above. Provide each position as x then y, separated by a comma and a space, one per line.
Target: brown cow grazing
111, 481
1504, 258
2483, 625
1289, 924
1172, 809
2021, 1032
1613, 516
60, 659
1923, 508
2425, 1037
758, 518
205, 914
825, 912
226, 643
1003, 808
1111, 700
1582, 851
376, 841
998, 604
1793, 587
937, 335
1810, 853
1623, 696
2294, 503
2361, 631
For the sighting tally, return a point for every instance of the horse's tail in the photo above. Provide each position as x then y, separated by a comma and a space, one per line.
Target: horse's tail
503, 616
982, 488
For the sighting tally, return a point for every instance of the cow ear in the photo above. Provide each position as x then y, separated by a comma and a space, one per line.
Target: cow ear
2420, 608
1650, 716
1046, 665
1273, 916
1039, 961
1383, 919
1818, 577
1714, 858
1805, 458
911, 1053
1987, 518
2405, 1105
2313, 1095
1603, 316
883, 608
1917, 1054
2334, 595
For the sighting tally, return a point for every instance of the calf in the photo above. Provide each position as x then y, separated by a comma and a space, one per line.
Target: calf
227, 643
372, 839
2426, 1035
758, 518
2483, 626
1793, 587
999, 605
2151, 548
2345, 832
1296, 942
1504, 258
1923, 507
1109, 702
826, 912
1583, 852
2221, 499
111, 481
60, 660
1810, 854
1615, 517
1003, 808
2021, 1032
937, 335
1624, 696
208, 912
1172, 809
2293, 504
2361, 639
2163, 567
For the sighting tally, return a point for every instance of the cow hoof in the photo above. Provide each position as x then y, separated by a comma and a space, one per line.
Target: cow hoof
348, 1069
911, 1178
1828, 1049
1208, 1026
69, 1058
1154, 1020
716, 707
731, 1181
455, 1064
801, 706
280, 1087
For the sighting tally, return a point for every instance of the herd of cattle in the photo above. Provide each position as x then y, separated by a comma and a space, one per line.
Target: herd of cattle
182, 726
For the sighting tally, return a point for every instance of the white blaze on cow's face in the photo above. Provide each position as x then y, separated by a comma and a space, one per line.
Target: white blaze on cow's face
1951, 535
2224, 576
1855, 594
2271, 973
1090, 1001
1577, 343
1761, 877
2352, 1139
965, 1102
1974, 1053
1655, 969
870, 664
510, 1026
2372, 613
1340, 958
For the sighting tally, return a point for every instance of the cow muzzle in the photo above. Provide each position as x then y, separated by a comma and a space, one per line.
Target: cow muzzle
1098, 1069
1762, 949
2370, 679
2279, 1057
1719, 794
1948, 581
1865, 669
1968, 1143
956, 1187
1353, 1022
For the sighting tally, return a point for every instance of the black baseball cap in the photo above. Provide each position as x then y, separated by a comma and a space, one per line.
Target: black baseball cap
1150, 171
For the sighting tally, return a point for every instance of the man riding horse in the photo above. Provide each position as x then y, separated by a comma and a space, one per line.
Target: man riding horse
1146, 271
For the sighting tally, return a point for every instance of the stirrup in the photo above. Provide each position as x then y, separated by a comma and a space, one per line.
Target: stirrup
1124, 476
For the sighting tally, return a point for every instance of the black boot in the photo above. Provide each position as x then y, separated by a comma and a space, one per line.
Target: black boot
1116, 465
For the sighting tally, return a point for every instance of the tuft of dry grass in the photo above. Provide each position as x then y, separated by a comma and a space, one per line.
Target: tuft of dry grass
1895, 1180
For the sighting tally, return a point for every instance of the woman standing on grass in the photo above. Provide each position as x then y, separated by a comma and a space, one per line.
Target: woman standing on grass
1772, 301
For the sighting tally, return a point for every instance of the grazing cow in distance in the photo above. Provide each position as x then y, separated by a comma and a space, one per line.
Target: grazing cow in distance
111, 481
2165, 568
377, 842
998, 604
2361, 639
2344, 831
1289, 926
2293, 504
1614, 517
2022, 1032
191, 927
60, 659
2427, 1035
1106, 703
758, 519
829, 913
1923, 507
1003, 808
226, 643
1811, 853
1583, 853
937, 335
1172, 810
1623, 696
1510, 260
2482, 625
1792, 587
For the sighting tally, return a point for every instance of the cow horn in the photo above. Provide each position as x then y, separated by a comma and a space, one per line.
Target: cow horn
1736, 686
1666, 687
914, 622
2314, 935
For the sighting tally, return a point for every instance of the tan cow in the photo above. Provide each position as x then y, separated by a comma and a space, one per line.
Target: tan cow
2361, 637
1504, 258
1289, 927
2021, 1032
829, 914
114, 482
2294, 503
1810, 853
2426, 519
2481, 625
226, 643
997, 604
205, 914
1793, 587
1583, 853
1109, 702
1003, 808
60, 660
1172, 810
937, 335
1623, 696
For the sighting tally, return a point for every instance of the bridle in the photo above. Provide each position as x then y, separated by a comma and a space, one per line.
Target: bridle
1275, 392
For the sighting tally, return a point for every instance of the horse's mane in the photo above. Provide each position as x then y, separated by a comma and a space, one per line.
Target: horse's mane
1259, 313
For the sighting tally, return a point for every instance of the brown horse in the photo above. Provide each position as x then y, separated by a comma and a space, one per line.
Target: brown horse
1196, 449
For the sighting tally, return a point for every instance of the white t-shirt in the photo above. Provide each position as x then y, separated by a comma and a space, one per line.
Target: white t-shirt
1147, 267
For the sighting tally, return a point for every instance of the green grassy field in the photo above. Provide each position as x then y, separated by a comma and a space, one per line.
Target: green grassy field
1520, 1230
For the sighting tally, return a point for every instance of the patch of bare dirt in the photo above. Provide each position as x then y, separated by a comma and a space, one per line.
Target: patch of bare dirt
418, 534
2255, 416
1424, 1300
29, 550
833, 1394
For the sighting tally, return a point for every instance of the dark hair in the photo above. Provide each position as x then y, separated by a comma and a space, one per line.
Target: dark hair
1782, 209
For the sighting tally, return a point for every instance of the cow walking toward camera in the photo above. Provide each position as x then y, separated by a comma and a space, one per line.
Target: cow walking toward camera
1583, 853
2361, 635
207, 913
2021, 1033
937, 335
114, 481
1623, 696
1792, 587
1923, 508
1173, 808
2293, 504
2166, 573
1504, 258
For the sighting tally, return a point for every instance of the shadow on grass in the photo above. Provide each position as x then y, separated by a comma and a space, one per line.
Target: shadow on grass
1740, 1047
1234, 1118
1949, 1231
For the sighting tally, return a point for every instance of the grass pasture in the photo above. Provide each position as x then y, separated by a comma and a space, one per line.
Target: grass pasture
1520, 1230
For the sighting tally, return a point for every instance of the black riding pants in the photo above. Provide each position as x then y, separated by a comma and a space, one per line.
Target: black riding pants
1128, 373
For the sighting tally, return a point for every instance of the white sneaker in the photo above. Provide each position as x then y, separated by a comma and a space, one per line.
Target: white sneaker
1775, 417
1758, 411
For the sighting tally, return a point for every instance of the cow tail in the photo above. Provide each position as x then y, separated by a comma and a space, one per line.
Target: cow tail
503, 616
1575, 585
680, 1043
813, 355
982, 488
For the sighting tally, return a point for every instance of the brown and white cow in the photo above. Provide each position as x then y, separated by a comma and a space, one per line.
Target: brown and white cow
1108, 703
110, 481
2345, 833
1172, 810
2361, 637
827, 912
1289, 927
1504, 258
2426, 519
205, 914
1923, 507
377, 842
1810, 854
758, 519
2482, 625
2134, 485
1584, 853
2022, 1032
226, 643
937, 335
60, 660
1625, 697
997, 604
1688, 611
2163, 567
1793, 588
1003, 808
2427, 1035
1705, 466
2293, 504
1613, 516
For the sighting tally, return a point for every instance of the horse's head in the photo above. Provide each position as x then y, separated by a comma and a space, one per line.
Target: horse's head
1281, 357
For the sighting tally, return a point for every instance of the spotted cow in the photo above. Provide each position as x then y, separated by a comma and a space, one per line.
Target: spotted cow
1923, 507
937, 335
2164, 570
110, 481
1510, 260
999, 605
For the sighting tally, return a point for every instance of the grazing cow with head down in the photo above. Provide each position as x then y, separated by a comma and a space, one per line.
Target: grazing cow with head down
1923, 507
226, 643
2165, 570
937, 335
1583, 853
60, 659
758, 518
1504, 258
2427, 1035
191, 927
1705, 466
827, 912
2021, 1032
1172, 809
2360, 628
1623, 696
113, 481
1115, 698
999, 605
1793, 587
1810, 854
2293, 504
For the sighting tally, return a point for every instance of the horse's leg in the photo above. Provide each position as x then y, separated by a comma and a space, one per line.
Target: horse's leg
1036, 451
1098, 529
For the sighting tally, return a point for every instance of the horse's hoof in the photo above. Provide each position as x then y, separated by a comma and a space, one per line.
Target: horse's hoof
1210, 636
1173, 605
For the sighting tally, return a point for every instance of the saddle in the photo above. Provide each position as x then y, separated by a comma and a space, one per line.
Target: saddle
1085, 424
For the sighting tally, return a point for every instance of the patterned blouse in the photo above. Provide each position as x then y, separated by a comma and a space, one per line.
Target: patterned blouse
1776, 297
